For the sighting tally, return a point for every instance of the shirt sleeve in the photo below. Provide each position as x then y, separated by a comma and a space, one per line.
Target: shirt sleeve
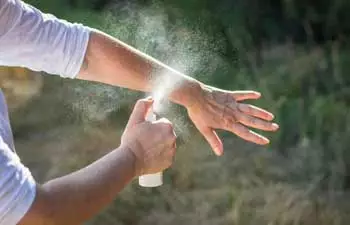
17, 187
39, 41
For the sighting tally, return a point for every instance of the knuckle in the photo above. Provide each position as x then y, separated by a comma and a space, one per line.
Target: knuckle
268, 125
246, 132
171, 160
168, 127
234, 117
262, 124
227, 122
237, 116
173, 139
252, 120
248, 109
139, 102
241, 130
241, 107
233, 105
169, 164
171, 150
165, 122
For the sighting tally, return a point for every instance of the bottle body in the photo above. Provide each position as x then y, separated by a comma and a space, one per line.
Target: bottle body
151, 180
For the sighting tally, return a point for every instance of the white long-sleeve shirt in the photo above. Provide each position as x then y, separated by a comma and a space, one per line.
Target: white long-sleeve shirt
40, 42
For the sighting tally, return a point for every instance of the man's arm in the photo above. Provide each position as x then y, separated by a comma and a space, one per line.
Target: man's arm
145, 148
110, 61
74, 198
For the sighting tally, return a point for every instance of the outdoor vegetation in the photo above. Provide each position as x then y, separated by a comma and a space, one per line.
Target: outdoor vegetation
296, 53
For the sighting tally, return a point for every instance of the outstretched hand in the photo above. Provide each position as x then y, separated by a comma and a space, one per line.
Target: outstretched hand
220, 109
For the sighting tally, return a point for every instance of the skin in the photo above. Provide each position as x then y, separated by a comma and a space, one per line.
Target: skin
111, 61
146, 147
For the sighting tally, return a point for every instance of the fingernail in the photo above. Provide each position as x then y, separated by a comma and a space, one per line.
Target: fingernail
264, 140
275, 126
258, 94
267, 141
218, 152
149, 98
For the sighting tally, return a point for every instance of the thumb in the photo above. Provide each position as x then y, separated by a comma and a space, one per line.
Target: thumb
139, 112
213, 139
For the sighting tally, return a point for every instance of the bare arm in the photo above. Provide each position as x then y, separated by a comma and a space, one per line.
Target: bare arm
72, 199
111, 61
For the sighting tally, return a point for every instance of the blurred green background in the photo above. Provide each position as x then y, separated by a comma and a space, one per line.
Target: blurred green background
295, 52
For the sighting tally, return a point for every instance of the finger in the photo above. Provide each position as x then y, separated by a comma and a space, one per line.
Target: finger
213, 139
257, 123
172, 141
255, 111
140, 110
245, 95
171, 157
248, 135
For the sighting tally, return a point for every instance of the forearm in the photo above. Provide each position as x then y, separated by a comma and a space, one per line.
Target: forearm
111, 61
74, 198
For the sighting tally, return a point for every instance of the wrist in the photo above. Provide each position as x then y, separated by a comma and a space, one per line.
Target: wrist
131, 152
187, 93
130, 156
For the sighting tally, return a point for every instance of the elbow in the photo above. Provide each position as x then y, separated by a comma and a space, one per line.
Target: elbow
47, 209
42, 211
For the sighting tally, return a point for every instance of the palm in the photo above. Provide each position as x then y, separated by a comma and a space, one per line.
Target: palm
219, 109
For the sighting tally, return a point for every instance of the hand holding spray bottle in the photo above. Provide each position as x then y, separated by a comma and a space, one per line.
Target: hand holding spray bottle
162, 89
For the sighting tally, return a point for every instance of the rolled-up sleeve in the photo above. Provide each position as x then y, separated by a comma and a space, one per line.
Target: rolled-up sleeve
17, 187
39, 41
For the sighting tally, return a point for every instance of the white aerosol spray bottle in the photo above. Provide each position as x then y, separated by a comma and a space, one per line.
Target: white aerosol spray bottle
156, 179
